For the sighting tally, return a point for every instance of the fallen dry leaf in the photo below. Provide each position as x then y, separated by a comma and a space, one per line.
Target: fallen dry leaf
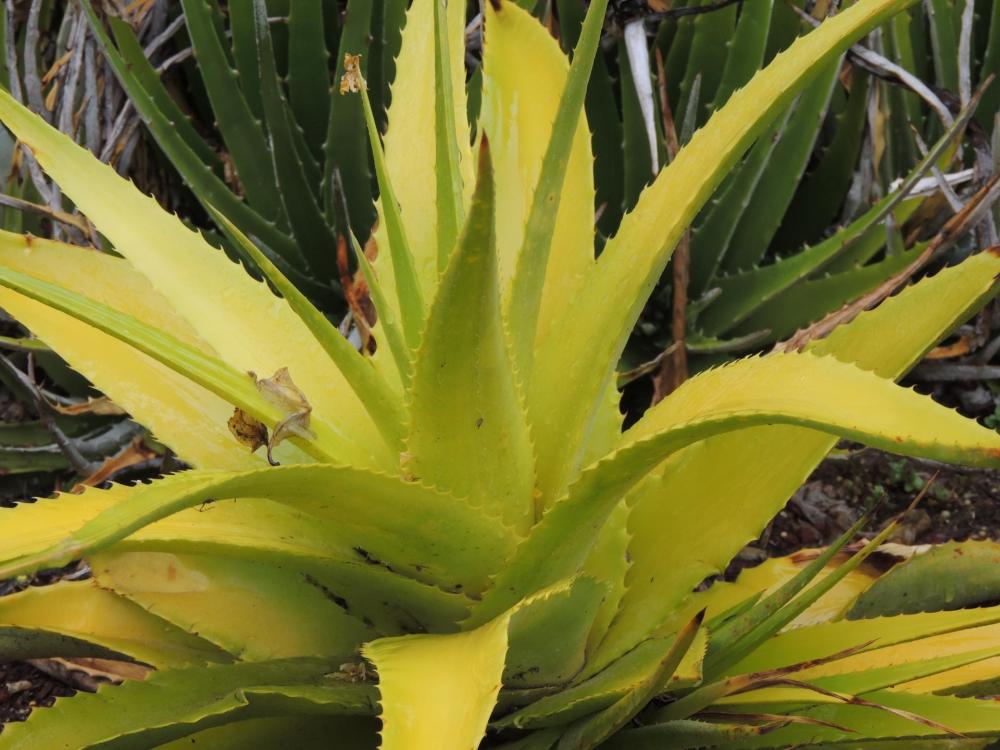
281, 391
351, 82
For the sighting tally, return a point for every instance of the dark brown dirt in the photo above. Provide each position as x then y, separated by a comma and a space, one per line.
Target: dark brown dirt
24, 688
960, 504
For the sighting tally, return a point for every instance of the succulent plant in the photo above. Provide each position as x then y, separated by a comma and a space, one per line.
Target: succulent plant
460, 539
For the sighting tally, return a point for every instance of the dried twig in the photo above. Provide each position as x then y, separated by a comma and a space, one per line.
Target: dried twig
673, 369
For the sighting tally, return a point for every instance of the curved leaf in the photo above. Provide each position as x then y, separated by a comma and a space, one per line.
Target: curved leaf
174, 703
91, 616
800, 389
188, 418
410, 528
693, 494
249, 328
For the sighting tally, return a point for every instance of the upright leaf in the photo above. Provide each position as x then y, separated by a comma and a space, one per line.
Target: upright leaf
468, 424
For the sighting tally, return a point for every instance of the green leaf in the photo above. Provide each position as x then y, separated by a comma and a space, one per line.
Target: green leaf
591, 732
241, 131
206, 186
344, 148
781, 174
711, 235
818, 197
952, 576
745, 50
145, 74
308, 74
468, 427
811, 299
297, 192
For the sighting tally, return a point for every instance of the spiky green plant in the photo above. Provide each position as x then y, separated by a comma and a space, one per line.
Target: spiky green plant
461, 539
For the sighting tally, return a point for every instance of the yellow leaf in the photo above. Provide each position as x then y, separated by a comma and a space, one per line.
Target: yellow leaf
183, 415
410, 140
524, 73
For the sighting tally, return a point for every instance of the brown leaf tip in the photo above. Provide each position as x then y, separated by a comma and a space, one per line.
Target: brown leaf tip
351, 82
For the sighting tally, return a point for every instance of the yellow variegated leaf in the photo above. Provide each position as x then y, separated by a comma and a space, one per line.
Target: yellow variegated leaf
439, 690
246, 325
231, 602
85, 611
693, 494
975, 677
185, 416
821, 393
410, 140
880, 634
584, 344
524, 73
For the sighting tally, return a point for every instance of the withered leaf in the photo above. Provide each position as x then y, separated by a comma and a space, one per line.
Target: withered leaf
102, 406
351, 82
249, 431
281, 391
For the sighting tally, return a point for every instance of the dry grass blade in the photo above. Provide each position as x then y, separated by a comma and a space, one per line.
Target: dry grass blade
774, 721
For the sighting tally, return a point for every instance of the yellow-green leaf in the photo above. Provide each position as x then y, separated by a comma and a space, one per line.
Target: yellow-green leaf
410, 142
469, 430
794, 389
246, 325
693, 494
185, 416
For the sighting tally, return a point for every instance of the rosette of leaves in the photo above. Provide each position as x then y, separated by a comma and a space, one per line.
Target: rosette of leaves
461, 546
